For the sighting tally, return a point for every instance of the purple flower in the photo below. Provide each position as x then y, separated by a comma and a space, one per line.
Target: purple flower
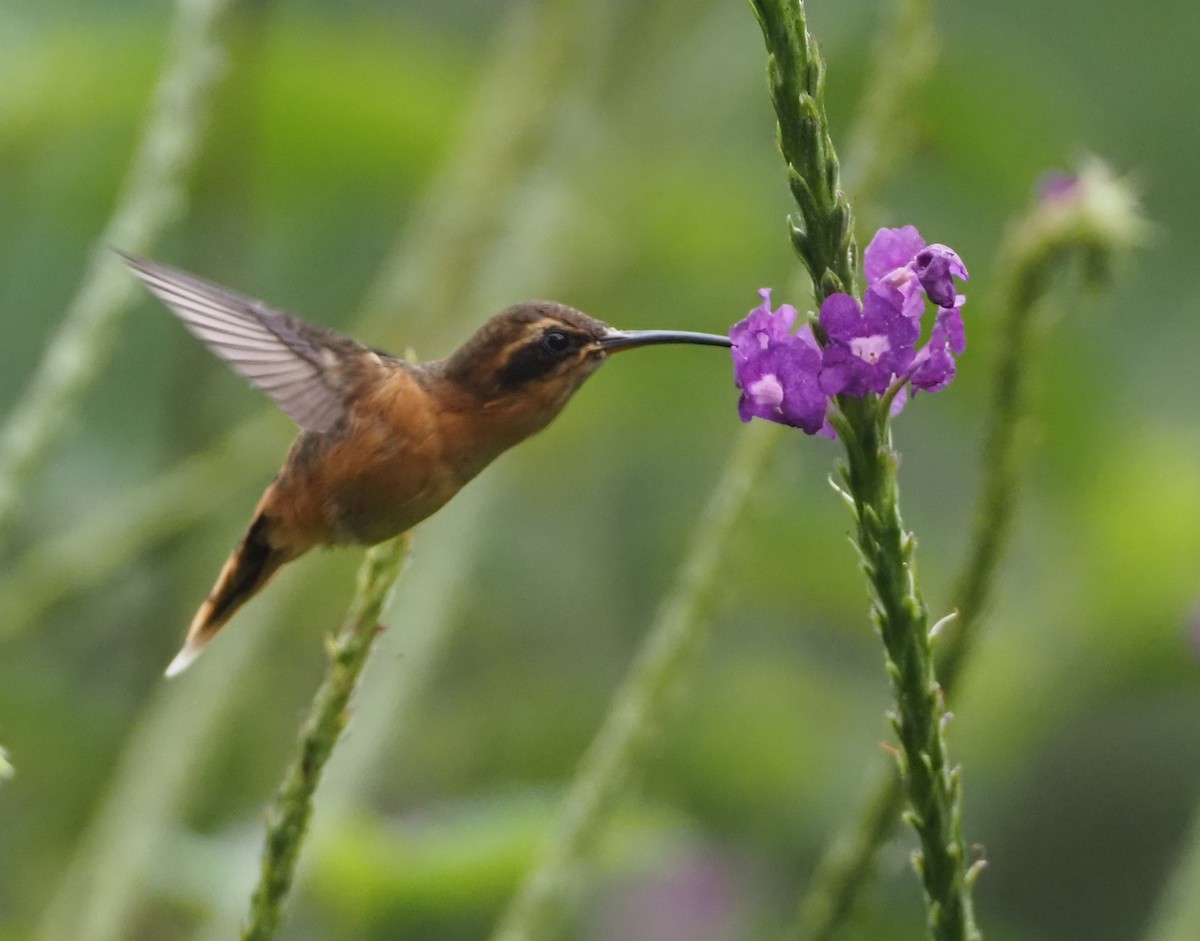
1057, 185
777, 370
887, 264
867, 345
891, 249
761, 327
934, 365
869, 348
900, 259
936, 267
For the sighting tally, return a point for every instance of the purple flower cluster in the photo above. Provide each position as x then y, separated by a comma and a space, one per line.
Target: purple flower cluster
790, 378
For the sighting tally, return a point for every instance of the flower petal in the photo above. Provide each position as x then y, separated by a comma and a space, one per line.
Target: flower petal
936, 268
761, 327
841, 317
936, 370
776, 370
949, 320
891, 249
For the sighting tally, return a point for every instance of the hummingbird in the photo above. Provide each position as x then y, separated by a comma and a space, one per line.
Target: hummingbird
384, 442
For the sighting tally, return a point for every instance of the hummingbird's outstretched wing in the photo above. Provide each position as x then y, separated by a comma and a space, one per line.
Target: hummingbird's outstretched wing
306, 369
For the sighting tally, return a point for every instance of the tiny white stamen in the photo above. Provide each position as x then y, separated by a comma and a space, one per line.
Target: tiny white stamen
898, 277
766, 391
870, 348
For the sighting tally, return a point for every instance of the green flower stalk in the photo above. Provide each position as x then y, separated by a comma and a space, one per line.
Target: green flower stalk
823, 234
288, 817
846, 374
1091, 217
933, 786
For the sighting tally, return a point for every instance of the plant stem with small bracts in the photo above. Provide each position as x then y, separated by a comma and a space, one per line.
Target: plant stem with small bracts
824, 241
287, 819
1094, 228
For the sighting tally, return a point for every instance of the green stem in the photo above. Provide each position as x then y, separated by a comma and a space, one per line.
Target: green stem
1099, 223
824, 243
287, 819
823, 235
1092, 227
932, 785
152, 197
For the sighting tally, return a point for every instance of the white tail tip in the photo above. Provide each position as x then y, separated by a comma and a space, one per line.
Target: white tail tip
184, 659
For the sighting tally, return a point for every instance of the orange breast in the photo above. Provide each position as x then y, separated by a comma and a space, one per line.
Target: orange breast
383, 474
411, 440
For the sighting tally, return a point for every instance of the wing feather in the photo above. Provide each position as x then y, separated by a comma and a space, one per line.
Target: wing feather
275, 351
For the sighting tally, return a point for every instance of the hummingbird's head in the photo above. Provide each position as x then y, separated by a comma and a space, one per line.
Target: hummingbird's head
522, 366
542, 352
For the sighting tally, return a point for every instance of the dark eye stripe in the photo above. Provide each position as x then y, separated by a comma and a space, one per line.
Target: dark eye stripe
536, 358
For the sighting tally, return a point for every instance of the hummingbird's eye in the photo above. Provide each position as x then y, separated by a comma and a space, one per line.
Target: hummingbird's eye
556, 342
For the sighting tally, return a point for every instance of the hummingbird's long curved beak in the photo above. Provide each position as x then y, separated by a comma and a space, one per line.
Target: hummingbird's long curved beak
627, 339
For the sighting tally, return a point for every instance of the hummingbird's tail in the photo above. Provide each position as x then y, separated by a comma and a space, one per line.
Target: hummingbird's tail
247, 570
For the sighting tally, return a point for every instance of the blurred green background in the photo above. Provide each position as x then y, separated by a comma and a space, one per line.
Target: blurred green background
650, 194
